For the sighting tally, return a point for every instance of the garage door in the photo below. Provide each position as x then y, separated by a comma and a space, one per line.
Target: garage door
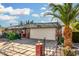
41, 33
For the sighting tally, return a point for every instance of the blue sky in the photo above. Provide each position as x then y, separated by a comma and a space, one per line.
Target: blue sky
13, 13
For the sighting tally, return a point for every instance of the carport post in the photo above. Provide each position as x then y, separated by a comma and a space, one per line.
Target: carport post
44, 46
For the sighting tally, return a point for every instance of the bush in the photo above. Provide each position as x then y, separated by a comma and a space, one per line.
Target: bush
69, 52
60, 40
12, 36
75, 37
17, 36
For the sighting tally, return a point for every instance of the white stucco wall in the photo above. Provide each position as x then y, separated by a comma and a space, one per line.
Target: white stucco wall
41, 33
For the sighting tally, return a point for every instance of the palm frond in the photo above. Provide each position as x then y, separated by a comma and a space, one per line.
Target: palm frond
67, 12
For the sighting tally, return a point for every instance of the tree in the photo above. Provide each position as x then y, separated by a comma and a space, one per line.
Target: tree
66, 12
32, 22
21, 23
75, 26
26, 22
0, 26
29, 22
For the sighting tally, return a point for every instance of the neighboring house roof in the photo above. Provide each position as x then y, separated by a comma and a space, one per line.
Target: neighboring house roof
37, 25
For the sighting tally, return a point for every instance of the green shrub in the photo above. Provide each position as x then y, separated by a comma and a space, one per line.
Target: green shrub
60, 40
75, 37
11, 35
69, 52
17, 36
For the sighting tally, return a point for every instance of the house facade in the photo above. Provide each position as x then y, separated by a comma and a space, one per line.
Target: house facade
38, 30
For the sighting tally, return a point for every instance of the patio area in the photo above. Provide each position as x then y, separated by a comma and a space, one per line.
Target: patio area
26, 47
17, 48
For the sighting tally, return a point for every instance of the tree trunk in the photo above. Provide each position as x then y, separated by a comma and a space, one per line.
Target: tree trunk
67, 36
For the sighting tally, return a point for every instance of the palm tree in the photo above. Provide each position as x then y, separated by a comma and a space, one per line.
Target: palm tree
21, 23
29, 22
0, 26
66, 12
26, 22
32, 22
75, 26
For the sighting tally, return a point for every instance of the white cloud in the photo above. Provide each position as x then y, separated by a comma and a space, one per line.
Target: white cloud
1, 6
7, 17
35, 15
43, 13
24, 11
8, 9
12, 11
13, 22
42, 21
43, 8
58, 3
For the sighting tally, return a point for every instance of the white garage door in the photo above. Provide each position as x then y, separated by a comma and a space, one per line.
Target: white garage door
41, 33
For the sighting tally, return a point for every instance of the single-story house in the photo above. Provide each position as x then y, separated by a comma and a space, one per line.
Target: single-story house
39, 30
